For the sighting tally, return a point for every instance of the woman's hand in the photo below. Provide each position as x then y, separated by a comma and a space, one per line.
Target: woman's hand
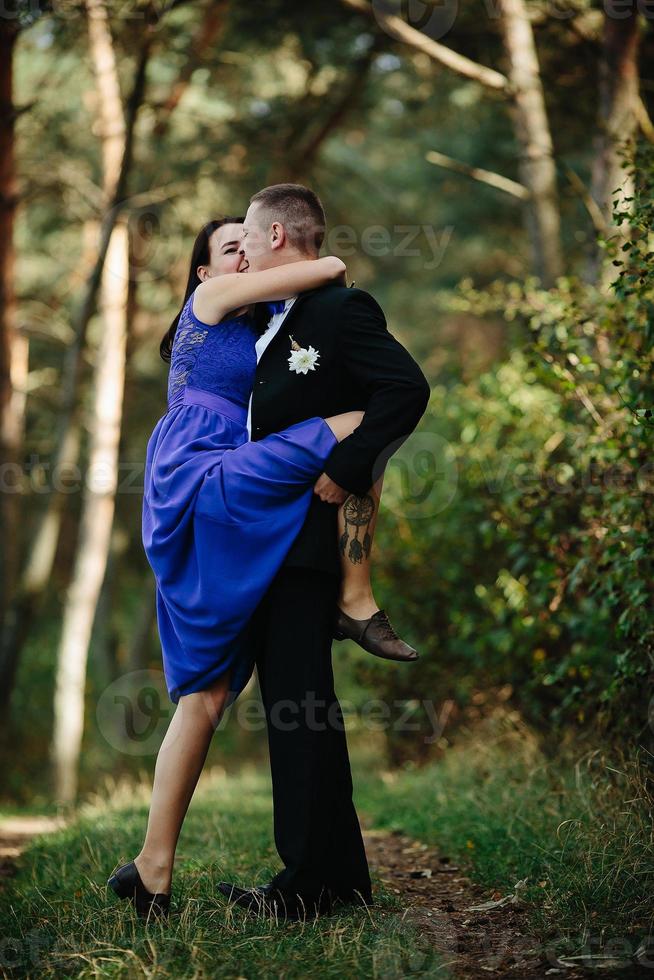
328, 491
336, 269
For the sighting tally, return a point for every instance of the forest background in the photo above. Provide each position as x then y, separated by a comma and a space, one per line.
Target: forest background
487, 172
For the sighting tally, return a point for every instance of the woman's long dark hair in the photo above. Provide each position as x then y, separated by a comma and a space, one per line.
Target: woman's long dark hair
199, 256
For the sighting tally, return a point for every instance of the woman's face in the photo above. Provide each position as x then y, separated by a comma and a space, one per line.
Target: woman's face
225, 252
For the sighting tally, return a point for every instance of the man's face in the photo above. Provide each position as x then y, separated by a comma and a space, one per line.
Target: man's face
256, 240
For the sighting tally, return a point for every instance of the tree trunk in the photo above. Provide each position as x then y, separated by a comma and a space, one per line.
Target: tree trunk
619, 110
41, 548
531, 126
300, 157
13, 344
98, 503
211, 27
537, 168
96, 520
398, 28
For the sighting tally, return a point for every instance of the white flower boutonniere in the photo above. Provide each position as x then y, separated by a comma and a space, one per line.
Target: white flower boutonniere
302, 359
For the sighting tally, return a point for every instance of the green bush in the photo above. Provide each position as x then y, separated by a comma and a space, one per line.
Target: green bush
530, 563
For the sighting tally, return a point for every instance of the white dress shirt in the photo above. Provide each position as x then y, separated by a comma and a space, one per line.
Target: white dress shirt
263, 341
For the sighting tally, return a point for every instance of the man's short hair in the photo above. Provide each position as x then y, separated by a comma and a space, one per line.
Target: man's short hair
298, 209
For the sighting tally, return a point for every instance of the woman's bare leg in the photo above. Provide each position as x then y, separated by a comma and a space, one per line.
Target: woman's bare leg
179, 764
357, 518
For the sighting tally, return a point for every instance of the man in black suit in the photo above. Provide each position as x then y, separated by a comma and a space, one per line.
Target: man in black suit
360, 365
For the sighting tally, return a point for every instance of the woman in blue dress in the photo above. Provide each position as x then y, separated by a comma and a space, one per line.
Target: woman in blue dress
219, 515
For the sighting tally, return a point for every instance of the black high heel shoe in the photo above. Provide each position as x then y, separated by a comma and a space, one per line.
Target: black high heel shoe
126, 882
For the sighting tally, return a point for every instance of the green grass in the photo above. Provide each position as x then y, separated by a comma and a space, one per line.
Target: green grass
578, 828
59, 918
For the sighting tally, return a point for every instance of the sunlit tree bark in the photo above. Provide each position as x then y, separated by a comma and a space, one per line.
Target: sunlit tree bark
620, 114
98, 502
98, 506
531, 125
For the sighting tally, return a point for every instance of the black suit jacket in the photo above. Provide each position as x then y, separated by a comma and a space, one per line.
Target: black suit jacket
361, 366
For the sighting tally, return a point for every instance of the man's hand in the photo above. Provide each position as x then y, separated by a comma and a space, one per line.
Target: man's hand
329, 491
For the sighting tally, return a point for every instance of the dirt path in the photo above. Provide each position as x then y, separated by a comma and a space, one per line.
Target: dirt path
440, 901
15, 834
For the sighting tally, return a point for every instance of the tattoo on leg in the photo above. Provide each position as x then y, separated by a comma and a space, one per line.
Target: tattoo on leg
358, 513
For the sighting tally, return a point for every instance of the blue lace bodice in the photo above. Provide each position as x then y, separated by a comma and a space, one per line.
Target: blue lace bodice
219, 358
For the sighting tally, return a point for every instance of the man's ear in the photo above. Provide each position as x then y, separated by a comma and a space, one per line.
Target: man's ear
277, 235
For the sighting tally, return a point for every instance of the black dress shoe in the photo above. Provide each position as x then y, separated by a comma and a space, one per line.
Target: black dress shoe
351, 897
243, 897
270, 902
126, 882
376, 635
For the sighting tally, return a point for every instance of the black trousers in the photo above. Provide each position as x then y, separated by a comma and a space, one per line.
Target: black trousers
317, 832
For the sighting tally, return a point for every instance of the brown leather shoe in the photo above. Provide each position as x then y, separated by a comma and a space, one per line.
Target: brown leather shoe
376, 635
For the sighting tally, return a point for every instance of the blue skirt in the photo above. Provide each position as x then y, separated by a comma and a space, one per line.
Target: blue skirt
220, 514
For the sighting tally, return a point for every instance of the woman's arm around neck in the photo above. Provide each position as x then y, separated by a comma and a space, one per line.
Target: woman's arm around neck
220, 295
